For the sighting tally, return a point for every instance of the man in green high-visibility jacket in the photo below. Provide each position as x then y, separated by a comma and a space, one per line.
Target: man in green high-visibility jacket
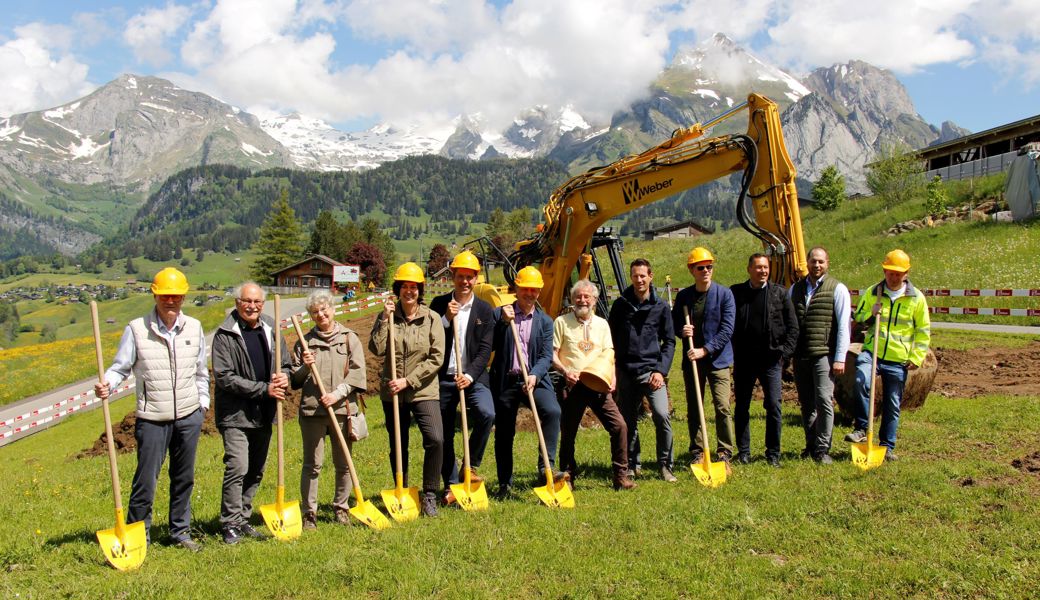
901, 345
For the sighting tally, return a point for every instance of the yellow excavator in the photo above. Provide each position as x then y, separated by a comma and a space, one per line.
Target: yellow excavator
767, 206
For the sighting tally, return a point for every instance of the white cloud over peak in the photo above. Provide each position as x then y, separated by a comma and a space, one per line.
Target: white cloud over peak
38, 71
147, 33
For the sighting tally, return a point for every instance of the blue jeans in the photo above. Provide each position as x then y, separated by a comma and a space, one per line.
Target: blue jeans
631, 389
893, 379
480, 415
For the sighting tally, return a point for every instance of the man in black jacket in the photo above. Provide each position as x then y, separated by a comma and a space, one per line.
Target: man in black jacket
245, 395
766, 333
475, 320
644, 343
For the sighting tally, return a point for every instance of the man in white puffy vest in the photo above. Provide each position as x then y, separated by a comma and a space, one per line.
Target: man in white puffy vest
166, 352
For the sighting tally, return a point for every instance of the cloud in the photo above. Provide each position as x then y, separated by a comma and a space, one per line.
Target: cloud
147, 32
38, 71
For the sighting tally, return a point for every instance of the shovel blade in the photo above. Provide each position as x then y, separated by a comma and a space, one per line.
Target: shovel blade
867, 456
556, 495
284, 521
367, 513
401, 503
472, 496
126, 553
710, 474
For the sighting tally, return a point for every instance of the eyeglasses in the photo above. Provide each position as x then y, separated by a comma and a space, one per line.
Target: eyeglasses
704, 267
253, 302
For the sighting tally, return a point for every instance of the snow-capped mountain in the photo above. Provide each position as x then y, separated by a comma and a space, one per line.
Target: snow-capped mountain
316, 145
135, 132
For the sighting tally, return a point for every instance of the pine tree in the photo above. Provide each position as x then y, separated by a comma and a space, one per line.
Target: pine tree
280, 242
327, 237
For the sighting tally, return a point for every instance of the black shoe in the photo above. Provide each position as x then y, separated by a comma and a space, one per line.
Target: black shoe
774, 461
857, 436
725, 456
247, 530
231, 535
744, 458
188, 544
806, 454
428, 505
824, 459
504, 492
696, 458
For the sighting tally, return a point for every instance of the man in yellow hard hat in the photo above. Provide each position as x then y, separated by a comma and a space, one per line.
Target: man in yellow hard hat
712, 313
902, 344
475, 321
166, 352
508, 386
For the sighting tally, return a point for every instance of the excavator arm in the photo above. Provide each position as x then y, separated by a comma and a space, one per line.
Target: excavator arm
767, 207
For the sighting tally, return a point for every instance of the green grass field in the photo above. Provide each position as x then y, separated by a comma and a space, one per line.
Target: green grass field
953, 519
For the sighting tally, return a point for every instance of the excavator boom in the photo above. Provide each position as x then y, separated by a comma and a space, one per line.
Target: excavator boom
767, 207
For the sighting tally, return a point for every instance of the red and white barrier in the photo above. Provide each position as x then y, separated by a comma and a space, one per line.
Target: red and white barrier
974, 293
42, 416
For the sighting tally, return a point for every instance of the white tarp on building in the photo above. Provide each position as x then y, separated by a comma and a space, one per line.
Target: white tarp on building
1023, 186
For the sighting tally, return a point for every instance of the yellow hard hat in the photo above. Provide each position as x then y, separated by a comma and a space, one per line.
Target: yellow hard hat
410, 271
170, 282
529, 277
699, 254
896, 260
466, 260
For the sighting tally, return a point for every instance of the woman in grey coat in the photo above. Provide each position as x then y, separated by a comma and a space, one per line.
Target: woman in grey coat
337, 353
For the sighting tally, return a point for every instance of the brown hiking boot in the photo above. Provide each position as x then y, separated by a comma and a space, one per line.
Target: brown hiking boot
623, 482
342, 516
473, 477
310, 521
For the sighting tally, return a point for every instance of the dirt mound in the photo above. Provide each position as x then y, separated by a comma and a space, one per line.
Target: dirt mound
1029, 464
980, 371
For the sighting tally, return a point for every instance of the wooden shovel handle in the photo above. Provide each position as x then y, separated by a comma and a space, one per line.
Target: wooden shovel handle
697, 387
462, 401
391, 349
530, 398
112, 465
278, 371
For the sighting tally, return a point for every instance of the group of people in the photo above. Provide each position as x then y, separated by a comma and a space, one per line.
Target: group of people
737, 336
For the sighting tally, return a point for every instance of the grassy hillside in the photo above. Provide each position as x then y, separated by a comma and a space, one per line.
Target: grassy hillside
981, 254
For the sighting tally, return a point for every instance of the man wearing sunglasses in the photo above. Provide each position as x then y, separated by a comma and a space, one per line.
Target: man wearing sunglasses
712, 314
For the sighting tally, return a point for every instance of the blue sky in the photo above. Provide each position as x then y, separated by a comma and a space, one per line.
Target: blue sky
355, 62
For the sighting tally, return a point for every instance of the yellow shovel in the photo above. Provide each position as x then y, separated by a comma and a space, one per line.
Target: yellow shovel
124, 545
282, 518
707, 473
864, 454
470, 495
552, 494
401, 502
363, 510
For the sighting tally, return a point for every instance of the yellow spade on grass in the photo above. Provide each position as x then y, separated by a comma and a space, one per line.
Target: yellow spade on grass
707, 473
866, 455
469, 495
363, 510
402, 503
282, 518
553, 494
124, 545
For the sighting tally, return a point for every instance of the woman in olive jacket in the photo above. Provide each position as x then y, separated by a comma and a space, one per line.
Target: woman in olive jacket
339, 357
419, 352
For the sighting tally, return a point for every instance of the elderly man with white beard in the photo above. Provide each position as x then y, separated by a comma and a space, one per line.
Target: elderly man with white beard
580, 339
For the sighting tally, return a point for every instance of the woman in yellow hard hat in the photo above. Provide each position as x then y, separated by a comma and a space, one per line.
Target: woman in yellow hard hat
419, 352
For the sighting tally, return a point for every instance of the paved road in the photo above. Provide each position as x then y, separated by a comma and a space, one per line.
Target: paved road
33, 414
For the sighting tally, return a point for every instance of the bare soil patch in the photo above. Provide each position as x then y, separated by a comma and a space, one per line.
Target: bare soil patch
981, 371
1029, 464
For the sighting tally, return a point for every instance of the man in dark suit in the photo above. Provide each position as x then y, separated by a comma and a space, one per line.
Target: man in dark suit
475, 320
508, 385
